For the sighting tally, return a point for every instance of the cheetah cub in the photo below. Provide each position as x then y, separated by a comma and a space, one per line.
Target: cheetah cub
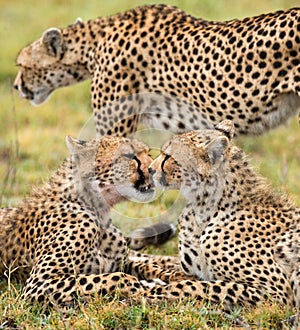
61, 239
236, 235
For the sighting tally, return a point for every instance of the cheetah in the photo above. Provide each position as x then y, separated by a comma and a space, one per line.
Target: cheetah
61, 242
238, 237
159, 66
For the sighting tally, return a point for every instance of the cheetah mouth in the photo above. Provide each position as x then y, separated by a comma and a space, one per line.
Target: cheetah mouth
36, 98
40, 96
142, 185
137, 193
159, 181
24, 92
163, 180
144, 189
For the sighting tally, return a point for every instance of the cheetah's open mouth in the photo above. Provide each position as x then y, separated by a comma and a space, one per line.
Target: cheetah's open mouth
25, 92
143, 187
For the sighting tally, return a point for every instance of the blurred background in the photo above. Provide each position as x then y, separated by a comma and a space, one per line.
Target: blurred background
32, 139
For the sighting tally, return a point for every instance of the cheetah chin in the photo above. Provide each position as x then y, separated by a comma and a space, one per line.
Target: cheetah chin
39, 97
137, 192
36, 97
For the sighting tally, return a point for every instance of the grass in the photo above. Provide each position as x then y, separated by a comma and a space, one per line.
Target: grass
122, 314
32, 146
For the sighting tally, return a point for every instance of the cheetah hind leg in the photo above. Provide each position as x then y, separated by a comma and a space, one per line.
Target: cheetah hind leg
156, 269
64, 292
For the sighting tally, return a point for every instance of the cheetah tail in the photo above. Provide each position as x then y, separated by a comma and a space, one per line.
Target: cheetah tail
156, 234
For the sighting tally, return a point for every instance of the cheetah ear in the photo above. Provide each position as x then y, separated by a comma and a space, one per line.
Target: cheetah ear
53, 42
83, 150
216, 149
226, 127
77, 21
75, 146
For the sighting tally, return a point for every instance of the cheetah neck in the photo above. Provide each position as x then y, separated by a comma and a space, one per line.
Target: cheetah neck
92, 193
246, 187
76, 187
84, 39
233, 188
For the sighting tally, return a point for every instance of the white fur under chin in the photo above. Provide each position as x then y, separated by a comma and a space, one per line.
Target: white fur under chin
187, 192
157, 183
35, 103
39, 98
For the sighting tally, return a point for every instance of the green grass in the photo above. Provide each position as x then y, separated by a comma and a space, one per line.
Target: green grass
107, 313
32, 145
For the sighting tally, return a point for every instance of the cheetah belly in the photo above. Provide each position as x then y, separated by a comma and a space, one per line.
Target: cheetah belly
283, 107
170, 113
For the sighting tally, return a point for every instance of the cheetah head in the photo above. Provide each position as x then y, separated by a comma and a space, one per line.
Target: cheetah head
118, 166
45, 65
192, 160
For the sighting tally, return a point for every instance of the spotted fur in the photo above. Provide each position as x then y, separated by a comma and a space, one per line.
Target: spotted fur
238, 237
161, 66
61, 240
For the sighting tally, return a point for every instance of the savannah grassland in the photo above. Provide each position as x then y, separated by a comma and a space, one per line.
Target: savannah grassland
32, 145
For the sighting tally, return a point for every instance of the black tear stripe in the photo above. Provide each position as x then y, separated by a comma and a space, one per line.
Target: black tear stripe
163, 162
141, 179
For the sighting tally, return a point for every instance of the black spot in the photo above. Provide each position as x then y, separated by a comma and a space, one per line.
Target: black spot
89, 287
116, 278
56, 296
188, 259
102, 292
263, 55
83, 281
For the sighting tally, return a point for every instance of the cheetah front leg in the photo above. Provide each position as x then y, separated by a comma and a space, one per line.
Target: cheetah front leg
295, 280
66, 291
228, 294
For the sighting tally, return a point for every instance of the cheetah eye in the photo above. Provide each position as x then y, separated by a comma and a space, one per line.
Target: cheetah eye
129, 156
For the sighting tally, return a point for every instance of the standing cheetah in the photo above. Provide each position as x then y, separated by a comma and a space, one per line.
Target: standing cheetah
161, 66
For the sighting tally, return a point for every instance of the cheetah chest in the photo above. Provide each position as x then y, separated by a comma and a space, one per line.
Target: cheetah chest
193, 250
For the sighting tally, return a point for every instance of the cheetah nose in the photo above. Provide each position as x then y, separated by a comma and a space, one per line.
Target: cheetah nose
16, 87
151, 171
